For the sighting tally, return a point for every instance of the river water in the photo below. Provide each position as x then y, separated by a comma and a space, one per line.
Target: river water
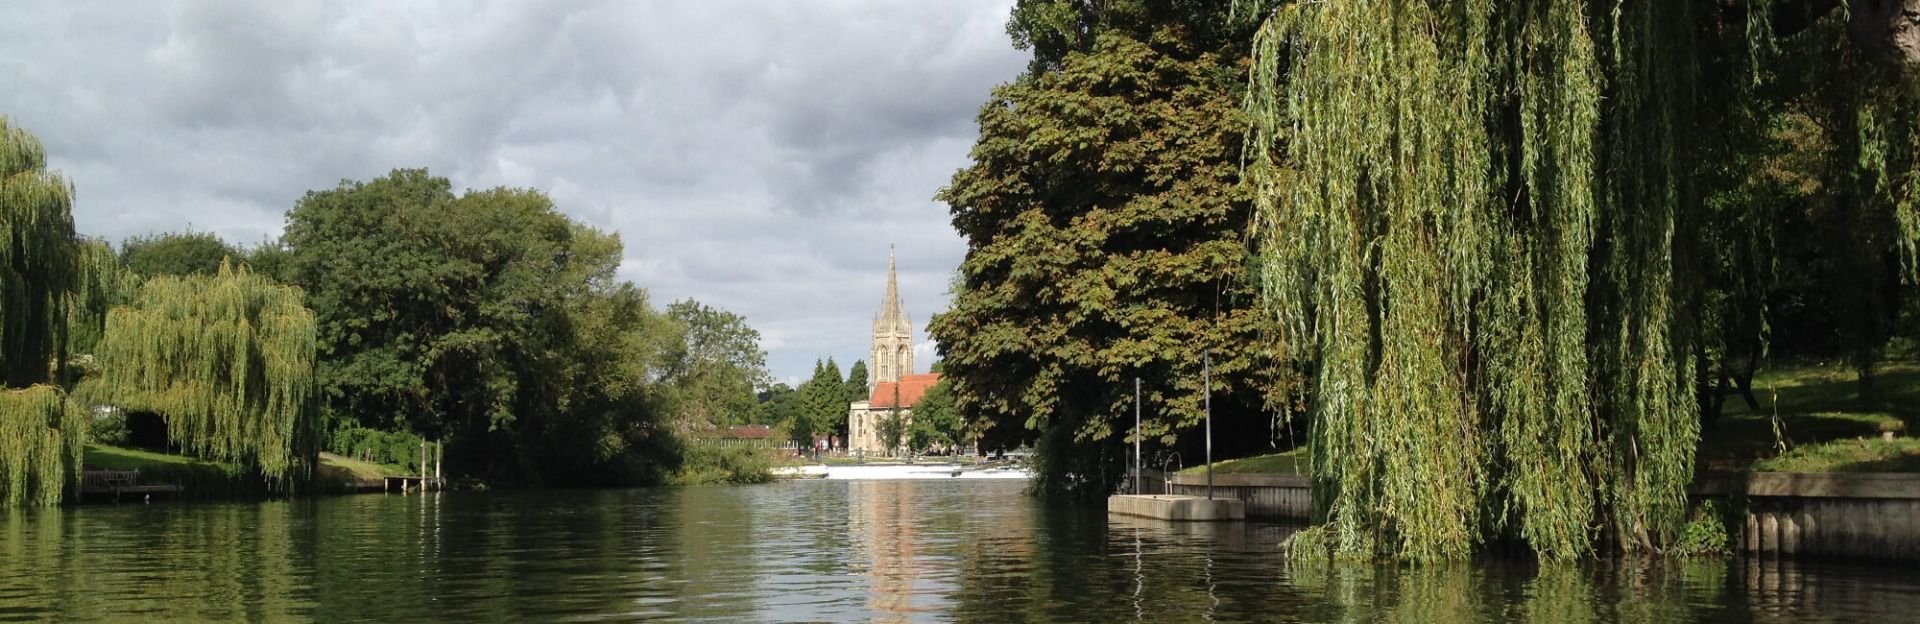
932, 550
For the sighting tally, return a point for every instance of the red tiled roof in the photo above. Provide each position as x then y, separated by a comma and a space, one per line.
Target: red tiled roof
911, 387
746, 432
751, 432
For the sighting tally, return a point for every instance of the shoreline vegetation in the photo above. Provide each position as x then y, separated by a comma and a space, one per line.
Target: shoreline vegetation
392, 314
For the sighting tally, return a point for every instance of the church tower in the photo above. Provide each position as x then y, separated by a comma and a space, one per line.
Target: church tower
892, 336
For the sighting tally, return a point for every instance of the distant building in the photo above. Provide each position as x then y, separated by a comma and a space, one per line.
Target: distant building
892, 382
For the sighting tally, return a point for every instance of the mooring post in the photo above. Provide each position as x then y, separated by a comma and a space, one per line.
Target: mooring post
1136, 436
1206, 381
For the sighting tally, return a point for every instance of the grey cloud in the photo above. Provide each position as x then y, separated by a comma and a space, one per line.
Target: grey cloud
758, 156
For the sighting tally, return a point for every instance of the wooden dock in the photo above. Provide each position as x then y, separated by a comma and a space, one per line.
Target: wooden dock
412, 483
118, 483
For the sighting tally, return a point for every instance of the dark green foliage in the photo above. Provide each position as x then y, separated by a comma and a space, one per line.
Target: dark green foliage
856, 384
39, 268
486, 320
823, 400
393, 448
937, 423
704, 464
717, 367
177, 254
780, 407
1104, 220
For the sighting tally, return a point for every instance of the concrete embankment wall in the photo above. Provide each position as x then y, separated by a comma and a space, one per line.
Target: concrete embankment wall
1854, 516
1268, 496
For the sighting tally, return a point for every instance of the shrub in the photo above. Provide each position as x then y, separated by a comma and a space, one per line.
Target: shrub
716, 463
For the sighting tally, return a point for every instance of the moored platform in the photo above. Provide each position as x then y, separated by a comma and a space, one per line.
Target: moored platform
1177, 507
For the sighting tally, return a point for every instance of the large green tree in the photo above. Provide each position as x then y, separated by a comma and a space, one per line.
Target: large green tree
1103, 216
473, 318
717, 369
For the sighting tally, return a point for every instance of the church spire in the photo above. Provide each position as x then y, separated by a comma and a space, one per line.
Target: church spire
892, 334
890, 311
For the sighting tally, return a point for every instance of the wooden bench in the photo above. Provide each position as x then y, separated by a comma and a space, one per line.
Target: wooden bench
117, 482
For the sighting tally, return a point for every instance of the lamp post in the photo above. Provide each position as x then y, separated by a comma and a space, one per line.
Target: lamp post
1206, 377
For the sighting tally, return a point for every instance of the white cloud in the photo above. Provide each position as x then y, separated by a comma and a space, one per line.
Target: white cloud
756, 156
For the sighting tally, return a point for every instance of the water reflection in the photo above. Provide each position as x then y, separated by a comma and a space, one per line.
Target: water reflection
894, 551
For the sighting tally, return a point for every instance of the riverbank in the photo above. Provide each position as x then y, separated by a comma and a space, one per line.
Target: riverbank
201, 479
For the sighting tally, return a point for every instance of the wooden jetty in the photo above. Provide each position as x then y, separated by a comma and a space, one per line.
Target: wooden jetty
429, 477
116, 483
411, 483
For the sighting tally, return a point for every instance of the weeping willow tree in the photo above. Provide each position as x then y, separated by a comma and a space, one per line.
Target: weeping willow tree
1425, 238
41, 436
226, 361
100, 283
1474, 222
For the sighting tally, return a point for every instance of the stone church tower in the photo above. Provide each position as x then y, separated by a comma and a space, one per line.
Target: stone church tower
892, 336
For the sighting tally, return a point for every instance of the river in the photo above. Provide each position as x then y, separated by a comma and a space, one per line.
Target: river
931, 550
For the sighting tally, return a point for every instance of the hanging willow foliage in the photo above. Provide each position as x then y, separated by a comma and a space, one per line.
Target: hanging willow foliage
100, 283
1475, 221
41, 441
37, 252
41, 437
226, 360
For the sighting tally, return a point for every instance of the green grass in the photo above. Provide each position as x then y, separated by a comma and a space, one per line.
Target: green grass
1823, 423
103, 457
336, 467
200, 479
1853, 455
211, 479
1290, 462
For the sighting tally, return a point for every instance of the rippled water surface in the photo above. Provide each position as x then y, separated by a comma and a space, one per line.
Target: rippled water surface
818, 550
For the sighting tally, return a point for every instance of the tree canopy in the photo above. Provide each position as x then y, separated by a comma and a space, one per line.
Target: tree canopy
227, 361
181, 253
1104, 221
486, 319
717, 368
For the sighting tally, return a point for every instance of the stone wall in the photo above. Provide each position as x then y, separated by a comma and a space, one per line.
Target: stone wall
1864, 516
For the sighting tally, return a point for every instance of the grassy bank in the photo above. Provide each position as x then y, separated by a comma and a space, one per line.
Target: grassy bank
1823, 424
204, 479
1289, 462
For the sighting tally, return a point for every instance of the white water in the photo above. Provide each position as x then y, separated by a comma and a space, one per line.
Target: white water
899, 471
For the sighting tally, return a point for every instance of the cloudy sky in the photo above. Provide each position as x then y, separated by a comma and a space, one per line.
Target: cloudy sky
757, 156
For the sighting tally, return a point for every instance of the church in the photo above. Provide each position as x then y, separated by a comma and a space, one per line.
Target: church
891, 382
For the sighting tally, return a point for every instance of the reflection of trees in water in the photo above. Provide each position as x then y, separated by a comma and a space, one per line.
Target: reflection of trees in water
225, 562
889, 551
